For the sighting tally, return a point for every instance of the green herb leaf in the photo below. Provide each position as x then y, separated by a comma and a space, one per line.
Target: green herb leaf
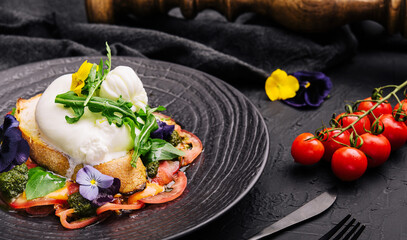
100, 76
114, 111
41, 183
141, 145
90, 81
161, 150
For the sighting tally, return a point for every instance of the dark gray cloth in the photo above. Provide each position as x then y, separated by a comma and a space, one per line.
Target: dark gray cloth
247, 49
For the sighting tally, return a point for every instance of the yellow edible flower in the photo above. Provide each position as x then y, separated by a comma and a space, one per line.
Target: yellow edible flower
78, 78
280, 86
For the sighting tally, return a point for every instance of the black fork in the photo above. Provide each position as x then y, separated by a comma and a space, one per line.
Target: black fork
344, 234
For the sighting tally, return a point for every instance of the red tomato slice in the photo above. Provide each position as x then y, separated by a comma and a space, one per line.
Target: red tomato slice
73, 188
165, 173
22, 202
114, 206
188, 139
64, 214
177, 189
192, 152
30, 163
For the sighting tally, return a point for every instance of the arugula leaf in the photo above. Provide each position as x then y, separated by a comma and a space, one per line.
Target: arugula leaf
100, 76
141, 145
40, 183
70, 99
90, 80
114, 111
161, 150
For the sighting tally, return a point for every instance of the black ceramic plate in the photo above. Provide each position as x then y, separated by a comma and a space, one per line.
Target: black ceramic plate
233, 133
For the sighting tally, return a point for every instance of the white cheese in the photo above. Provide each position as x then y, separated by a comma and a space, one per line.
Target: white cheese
91, 140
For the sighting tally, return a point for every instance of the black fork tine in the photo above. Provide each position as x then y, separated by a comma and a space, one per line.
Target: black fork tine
335, 229
357, 234
348, 236
352, 231
345, 229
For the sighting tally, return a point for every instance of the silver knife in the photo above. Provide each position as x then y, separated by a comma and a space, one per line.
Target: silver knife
309, 210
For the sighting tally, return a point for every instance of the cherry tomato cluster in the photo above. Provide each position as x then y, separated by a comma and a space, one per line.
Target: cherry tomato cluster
360, 138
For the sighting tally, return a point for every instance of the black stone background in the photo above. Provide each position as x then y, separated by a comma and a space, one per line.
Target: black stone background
357, 57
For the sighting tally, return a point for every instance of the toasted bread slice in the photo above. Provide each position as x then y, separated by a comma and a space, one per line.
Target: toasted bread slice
132, 179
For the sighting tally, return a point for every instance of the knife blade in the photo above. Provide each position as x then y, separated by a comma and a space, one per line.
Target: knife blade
309, 210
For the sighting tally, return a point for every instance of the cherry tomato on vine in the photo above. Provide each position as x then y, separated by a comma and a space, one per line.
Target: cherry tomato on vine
348, 163
331, 143
394, 131
403, 109
376, 148
383, 108
346, 119
306, 149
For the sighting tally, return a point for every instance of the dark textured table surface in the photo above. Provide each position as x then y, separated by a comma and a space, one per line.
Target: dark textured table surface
378, 199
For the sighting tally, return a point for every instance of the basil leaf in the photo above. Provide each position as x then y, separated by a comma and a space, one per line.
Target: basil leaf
161, 150
40, 183
33, 171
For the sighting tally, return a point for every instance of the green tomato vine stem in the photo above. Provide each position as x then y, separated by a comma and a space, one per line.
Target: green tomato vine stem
392, 93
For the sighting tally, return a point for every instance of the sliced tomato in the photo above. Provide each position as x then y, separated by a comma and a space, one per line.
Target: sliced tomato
21, 202
177, 189
30, 163
165, 173
191, 145
64, 214
115, 206
73, 188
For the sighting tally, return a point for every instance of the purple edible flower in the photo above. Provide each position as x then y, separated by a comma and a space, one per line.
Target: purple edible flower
90, 180
164, 131
106, 195
14, 148
314, 88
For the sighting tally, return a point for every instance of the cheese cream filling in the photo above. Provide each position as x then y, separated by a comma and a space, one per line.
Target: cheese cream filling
91, 140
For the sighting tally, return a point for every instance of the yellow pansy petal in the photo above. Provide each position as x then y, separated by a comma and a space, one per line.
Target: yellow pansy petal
281, 86
273, 93
286, 93
279, 76
272, 90
292, 82
84, 70
78, 78
78, 88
